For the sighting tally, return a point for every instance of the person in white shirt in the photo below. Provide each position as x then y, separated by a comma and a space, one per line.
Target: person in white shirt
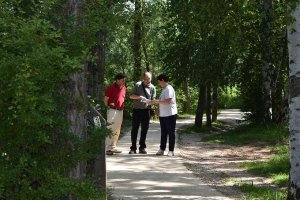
167, 115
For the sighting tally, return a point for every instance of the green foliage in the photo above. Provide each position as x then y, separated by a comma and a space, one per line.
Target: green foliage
229, 98
252, 134
36, 148
181, 99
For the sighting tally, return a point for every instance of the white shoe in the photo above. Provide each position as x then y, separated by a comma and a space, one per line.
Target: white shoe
160, 152
171, 153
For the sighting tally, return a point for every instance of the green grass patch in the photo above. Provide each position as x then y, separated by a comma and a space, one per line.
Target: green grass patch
252, 134
194, 129
276, 168
260, 193
185, 116
281, 180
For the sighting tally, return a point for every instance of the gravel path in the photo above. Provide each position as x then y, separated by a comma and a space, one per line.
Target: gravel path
218, 165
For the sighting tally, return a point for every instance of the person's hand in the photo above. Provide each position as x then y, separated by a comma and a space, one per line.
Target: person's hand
155, 101
150, 102
143, 99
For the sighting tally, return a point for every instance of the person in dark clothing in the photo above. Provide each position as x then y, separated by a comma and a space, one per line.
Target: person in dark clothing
167, 115
142, 94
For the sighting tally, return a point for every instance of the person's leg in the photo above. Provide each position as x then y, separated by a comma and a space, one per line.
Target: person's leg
134, 128
117, 128
111, 125
145, 119
163, 135
171, 131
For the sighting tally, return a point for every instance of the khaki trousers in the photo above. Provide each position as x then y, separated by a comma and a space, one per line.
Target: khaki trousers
114, 120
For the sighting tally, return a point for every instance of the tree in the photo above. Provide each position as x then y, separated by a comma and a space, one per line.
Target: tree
137, 39
294, 104
267, 65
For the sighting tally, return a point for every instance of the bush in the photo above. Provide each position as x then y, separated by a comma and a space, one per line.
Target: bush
36, 148
229, 99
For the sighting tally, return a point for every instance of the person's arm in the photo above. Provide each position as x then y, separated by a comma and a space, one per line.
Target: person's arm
134, 92
165, 101
162, 101
133, 96
106, 100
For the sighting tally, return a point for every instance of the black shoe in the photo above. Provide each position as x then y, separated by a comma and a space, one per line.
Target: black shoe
142, 151
132, 152
109, 153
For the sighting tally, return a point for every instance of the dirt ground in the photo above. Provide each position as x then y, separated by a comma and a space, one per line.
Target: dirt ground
218, 165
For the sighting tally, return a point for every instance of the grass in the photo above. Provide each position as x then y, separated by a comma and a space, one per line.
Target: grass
260, 193
252, 134
194, 130
185, 116
276, 168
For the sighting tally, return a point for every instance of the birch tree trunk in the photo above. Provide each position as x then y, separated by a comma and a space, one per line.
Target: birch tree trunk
76, 106
294, 104
267, 66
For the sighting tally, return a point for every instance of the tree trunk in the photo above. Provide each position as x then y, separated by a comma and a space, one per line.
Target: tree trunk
208, 105
280, 88
96, 90
201, 105
267, 65
137, 40
99, 86
187, 94
146, 55
294, 105
215, 102
76, 105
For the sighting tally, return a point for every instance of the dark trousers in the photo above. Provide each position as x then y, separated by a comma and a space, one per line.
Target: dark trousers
139, 116
167, 126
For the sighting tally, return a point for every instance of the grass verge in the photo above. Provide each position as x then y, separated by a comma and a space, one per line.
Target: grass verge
273, 136
260, 193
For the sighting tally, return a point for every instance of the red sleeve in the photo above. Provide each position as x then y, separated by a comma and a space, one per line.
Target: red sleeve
108, 91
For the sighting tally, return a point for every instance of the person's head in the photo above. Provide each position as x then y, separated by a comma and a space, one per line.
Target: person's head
162, 80
120, 79
147, 78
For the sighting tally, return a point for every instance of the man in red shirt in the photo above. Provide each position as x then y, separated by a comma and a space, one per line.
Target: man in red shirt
114, 99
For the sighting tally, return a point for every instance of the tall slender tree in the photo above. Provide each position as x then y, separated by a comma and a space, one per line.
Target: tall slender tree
267, 70
294, 104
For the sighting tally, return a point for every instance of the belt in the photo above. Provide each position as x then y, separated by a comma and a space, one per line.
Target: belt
115, 108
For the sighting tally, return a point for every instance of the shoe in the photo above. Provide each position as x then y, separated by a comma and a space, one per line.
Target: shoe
116, 151
171, 153
109, 152
160, 152
142, 151
132, 152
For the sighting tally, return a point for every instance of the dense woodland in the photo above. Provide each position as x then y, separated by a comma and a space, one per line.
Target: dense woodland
58, 56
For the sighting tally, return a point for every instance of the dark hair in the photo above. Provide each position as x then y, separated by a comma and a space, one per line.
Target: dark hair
163, 77
120, 76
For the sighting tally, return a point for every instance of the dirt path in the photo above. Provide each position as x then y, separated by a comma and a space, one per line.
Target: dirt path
218, 165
